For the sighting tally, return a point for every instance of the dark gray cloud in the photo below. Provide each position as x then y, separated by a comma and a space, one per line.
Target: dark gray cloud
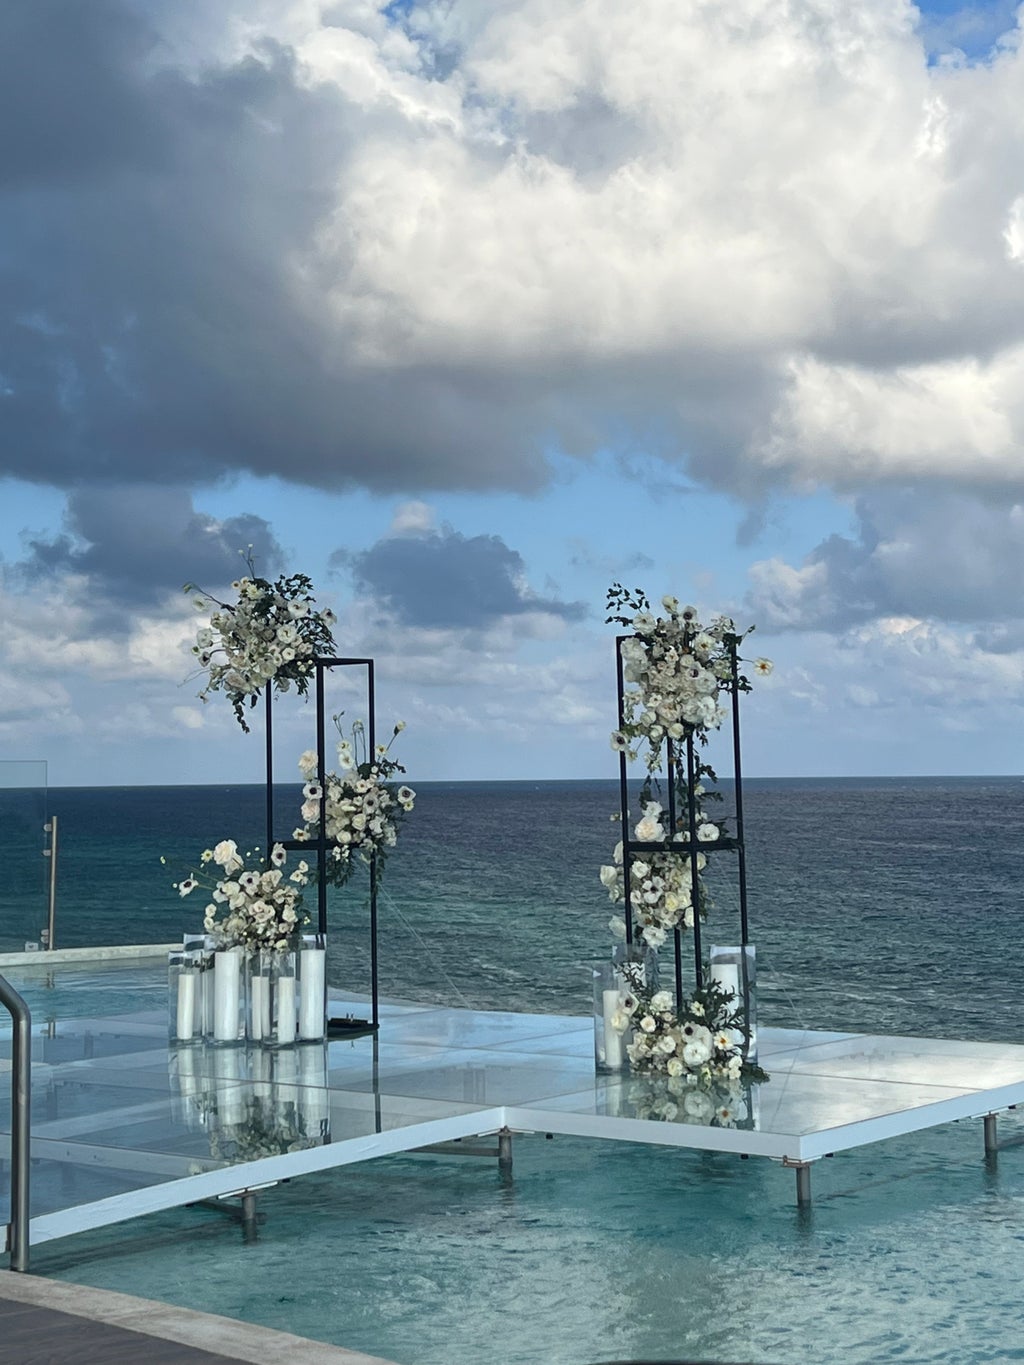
137, 545
940, 554
445, 579
150, 322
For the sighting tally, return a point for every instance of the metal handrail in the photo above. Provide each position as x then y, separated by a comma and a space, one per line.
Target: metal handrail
21, 1093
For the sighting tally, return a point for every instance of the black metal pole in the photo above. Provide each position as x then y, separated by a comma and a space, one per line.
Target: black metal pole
691, 782
372, 703
738, 781
624, 789
677, 938
269, 712
321, 837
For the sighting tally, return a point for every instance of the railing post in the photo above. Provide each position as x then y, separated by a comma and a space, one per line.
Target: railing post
50, 828
21, 1095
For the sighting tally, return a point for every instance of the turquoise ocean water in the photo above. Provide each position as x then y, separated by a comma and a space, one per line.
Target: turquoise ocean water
876, 905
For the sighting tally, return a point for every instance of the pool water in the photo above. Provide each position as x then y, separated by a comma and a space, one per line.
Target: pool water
89, 990
593, 1251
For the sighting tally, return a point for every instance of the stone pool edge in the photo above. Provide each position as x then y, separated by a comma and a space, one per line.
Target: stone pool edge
124, 952
235, 1340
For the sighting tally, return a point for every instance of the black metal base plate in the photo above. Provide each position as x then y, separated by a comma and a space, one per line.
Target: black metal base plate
350, 1028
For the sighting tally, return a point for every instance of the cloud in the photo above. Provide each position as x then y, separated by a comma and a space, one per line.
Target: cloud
442, 579
936, 555
137, 545
420, 247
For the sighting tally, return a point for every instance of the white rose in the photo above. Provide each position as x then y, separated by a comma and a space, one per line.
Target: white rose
696, 1052
661, 1001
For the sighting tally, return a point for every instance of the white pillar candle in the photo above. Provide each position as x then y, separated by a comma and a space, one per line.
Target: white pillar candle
227, 977
259, 1007
311, 992
204, 1013
726, 975
185, 1022
285, 1031
614, 1051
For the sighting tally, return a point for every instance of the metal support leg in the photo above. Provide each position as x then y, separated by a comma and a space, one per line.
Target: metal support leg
991, 1135
803, 1182
505, 1151
250, 1230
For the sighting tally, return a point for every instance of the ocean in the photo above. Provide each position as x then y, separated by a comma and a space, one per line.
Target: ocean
882, 903
876, 905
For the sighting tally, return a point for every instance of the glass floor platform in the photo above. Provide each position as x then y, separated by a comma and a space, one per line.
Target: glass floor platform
125, 1124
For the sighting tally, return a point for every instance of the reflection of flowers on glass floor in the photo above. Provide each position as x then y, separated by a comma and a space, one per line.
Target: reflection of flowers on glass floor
270, 1127
680, 1099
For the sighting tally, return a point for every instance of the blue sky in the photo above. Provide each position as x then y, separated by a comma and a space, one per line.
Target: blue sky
469, 310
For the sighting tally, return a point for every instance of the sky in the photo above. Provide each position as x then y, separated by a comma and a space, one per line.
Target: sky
471, 308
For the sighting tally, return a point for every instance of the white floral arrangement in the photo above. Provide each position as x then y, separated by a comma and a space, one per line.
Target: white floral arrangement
702, 1041
675, 670
255, 908
660, 893
362, 806
271, 634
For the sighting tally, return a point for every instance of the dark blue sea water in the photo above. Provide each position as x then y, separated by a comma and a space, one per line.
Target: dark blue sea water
891, 902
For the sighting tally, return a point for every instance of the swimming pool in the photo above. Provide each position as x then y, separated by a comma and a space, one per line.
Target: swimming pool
594, 1251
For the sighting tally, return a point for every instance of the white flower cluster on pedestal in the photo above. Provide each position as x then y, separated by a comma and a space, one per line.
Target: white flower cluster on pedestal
362, 808
255, 908
270, 634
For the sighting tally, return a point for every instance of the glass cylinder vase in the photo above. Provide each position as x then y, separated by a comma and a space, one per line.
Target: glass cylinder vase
631, 970
735, 970
228, 996
270, 997
184, 998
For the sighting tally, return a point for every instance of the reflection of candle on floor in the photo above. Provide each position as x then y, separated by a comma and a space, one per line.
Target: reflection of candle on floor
314, 1100
185, 1024
286, 1009
227, 1074
614, 1053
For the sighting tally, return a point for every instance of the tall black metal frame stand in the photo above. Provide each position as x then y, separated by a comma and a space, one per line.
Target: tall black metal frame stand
323, 845
677, 755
